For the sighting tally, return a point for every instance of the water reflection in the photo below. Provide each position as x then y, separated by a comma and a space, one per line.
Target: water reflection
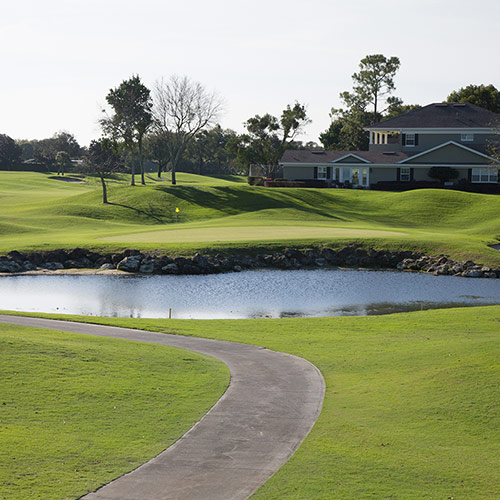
250, 294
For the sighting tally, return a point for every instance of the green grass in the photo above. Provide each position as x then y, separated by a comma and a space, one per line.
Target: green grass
41, 213
78, 411
411, 409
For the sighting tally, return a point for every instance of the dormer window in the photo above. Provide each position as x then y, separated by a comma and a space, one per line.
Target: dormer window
467, 137
410, 140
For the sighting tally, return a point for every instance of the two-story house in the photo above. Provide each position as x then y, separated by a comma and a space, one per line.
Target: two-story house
404, 148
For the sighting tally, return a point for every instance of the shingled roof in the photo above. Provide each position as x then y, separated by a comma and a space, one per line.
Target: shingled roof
308, 156
441, 115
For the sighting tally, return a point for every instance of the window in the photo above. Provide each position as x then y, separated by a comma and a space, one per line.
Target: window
322, 172
355, 176
484, 174
337, 174
410, 140
405, 174
467, 137
364, 178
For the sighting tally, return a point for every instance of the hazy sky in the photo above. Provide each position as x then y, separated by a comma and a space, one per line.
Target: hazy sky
60, 58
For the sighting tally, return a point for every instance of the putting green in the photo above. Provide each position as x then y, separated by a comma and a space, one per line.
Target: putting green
248, 233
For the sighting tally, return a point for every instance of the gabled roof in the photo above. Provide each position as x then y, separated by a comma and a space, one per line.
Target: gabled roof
444, 145
352, 155
325, 157
441, 115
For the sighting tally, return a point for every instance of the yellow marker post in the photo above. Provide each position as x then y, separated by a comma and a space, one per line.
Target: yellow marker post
176, 212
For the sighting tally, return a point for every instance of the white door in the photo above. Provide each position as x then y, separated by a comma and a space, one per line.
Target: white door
357, 176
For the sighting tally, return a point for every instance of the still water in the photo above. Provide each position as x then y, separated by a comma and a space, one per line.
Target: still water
249, 294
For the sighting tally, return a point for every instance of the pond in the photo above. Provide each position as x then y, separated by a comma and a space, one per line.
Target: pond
249, 294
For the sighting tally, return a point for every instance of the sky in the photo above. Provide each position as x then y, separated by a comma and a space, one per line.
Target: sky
60, 58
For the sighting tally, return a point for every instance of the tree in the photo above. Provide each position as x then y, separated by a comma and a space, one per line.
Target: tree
157, 148
396, 108
45, 151
267, 137
182, 109
10, 152
103, 160
63, 162
372, 83
65, 141
132, 107
209, 152
346, 132
484, 96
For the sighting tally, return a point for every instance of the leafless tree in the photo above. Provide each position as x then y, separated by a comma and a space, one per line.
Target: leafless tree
181, 109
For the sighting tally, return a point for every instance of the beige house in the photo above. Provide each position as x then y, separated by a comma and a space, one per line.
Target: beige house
404, 148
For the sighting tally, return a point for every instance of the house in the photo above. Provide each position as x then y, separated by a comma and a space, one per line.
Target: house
404, 148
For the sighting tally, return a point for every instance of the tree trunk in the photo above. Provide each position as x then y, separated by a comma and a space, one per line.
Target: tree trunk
174, 182
375, 108
141, 162
159, 169
104, 190
132, 182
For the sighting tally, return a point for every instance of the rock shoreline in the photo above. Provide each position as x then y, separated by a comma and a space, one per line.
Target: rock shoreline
134, 261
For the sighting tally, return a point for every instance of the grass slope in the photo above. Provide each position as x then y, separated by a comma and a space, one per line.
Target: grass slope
411, 407
39, 212
78, 411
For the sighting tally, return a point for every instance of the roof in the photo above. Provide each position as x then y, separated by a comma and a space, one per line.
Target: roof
441, 115
309, 156
320, 157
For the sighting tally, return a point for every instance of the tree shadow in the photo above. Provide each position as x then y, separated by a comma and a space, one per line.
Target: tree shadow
233, 201
151, 213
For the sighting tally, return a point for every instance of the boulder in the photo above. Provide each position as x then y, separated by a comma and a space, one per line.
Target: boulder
130, 264
53, 266
107, 265
16, 256
148, 265
170, 268
9, 266
28, 266
472, 273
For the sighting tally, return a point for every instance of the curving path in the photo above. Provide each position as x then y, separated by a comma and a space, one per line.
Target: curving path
270, 406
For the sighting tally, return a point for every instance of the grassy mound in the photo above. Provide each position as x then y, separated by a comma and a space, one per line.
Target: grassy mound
39, 212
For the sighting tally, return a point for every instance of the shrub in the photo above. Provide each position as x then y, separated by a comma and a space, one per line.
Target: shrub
255, 180
444, 174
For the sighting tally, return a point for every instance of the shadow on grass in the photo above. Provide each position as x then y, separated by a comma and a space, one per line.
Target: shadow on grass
233, 201
151, 212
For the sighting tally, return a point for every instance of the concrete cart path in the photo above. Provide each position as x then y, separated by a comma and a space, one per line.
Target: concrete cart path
270, 406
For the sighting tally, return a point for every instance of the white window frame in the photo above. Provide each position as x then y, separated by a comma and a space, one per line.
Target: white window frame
411, 143
322, 172
405, 174
484, 174
466, 137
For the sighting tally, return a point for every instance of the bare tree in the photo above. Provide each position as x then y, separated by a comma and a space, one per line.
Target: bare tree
181, 109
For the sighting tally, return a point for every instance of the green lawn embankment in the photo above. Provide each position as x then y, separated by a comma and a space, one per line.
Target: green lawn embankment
78, 411
43, 213
411, 409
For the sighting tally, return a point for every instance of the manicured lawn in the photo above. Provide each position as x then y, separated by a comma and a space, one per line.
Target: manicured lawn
79, 411
38, 212
411, 408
